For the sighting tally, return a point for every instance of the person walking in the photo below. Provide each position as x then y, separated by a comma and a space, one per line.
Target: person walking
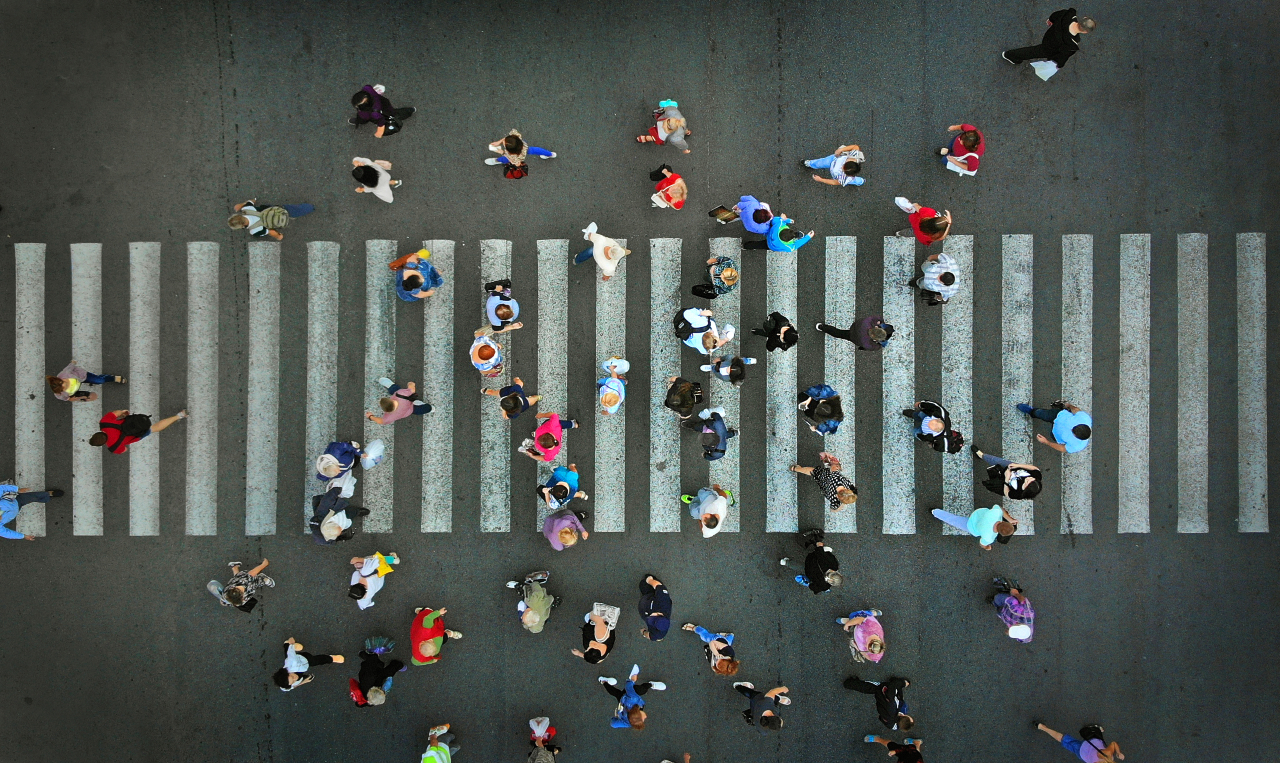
486, 356
718, 648
655, 609
374, 177
1014, 609
843, 164
780, 237
428, 636
500, 308
630, 713
909, 751
540, 736
1061, 41
696, 328
375, 678
598, 636
683, 396
297, 666
370, 576
332, 517
754, 214
868, 333
416, 277
119, 429
563, 528
1005, 478
545, 443
512, 399
926, 224
612, 390
671, 191
820, 564
733, 371
440, 747
764, 706
1072, 427
670, 127
534, 607
372, 106
712, 504
939, 283
722, 278
987, 524
240, 590
399, 403
836, 487
13, 499
514, 152
1089, 747
561, 488
933, 426
965, 152
70, 382
608, 253
821, 406
780, 334
867, 641
266, 219
891, 706
333, 467
715, 433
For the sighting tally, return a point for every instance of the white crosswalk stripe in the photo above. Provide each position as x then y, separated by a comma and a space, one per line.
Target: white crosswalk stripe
612, 453
727, 471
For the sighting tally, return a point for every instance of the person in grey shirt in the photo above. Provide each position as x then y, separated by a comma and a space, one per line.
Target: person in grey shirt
669, 128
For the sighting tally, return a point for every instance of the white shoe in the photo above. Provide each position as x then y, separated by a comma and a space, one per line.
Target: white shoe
586, 232
748, 685
705, 414
705, 367
380, 88
385, 382
748, 361
513, 584
493, 160
553, 156
658, 685
783, 562
607, 680
635, 669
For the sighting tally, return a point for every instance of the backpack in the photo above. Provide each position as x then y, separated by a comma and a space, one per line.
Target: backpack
949, 442
684, 329
516, 171
135, 425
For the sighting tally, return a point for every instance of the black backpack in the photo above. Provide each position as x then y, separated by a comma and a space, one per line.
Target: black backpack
684, 329
135, 425
949, 442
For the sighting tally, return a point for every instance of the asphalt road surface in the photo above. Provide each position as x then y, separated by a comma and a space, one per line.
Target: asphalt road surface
142, 122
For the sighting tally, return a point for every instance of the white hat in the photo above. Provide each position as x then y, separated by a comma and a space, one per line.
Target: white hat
1020, 631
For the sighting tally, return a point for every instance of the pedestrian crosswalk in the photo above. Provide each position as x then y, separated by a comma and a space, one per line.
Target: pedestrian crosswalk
541, 351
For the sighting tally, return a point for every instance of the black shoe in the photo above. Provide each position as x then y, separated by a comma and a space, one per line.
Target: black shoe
430, 408
1001, 583
352, 121
909, 413
54, 492
746, 717
555, 602
851, 682
583, 516
362, 511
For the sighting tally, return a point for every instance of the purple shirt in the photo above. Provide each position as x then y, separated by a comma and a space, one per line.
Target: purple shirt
558, 521
1012, 612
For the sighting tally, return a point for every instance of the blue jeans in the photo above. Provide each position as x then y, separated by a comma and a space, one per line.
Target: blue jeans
954, 520
708, 637
995, 461
533, 150
1047, 415
823, 163
97, 379
585, 255
298, 210
419, 407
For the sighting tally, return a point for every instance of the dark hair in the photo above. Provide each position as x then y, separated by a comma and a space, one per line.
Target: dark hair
934, 225
1081, 431
1032, 490
737, 371
771, 722
367, 176
281, 678
55, 383
787, 234
761, 216
510, 403
947, 278
710, 440
547, 441
503, 309
905, 722
387, 404
413, 281
970, 138
357, 591
512, 144
233, 595
559, 491
98, 439
712, 521
851, 167
360, 99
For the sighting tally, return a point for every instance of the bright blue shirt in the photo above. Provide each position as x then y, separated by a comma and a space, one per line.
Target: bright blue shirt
778, 245
8, 510
629, 701
564, 475
1062, 433
747, 207
431, 279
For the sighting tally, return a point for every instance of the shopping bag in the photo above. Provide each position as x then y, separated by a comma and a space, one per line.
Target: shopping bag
904, 204
1044, 69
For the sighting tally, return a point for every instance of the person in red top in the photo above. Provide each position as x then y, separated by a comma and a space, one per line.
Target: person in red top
118, 429
545, 444
966, 150
926, 224
671, 189
428, 634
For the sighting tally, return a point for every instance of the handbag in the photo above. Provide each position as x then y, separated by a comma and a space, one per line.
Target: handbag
392, 127
658, 200
904, 204
516, 171
1044, 69
705, 291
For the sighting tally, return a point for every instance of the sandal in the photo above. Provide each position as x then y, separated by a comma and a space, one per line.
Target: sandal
645, 138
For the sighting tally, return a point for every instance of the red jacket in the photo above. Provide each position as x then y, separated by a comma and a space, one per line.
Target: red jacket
662, 187
958, 149
419, 632
924, 213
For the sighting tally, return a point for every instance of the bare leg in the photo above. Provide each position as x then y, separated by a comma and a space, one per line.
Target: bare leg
1051, 733
163, 423
877, 739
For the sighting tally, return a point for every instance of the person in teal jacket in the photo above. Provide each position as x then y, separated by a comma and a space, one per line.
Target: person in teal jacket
780, 237
12, 499
988, 524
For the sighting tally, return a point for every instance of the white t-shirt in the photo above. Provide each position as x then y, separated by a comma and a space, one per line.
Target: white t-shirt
717, 506
602, 244
373, 582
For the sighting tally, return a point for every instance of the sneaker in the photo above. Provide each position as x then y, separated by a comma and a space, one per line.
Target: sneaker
805, 163
783, 562
607, 680
397, 183
877, 613
689, 626
237, 563
909, 413
513, 584
842, 621
748, 685
493, 160
553, 156
1004, 55
54, 492
728, 495
1059, 404
869, 739
412, 110
783, 700
538, 576
746, 716
818, 326
802, 580
706, 367
658, 685
352, 121
439, 729
1024, 408
976, 452
583, 516
385, 381
906, 233
453, 634
686, 498
362, 512
909, 740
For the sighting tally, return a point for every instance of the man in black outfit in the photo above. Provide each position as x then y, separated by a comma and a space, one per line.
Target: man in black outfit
820, 564
1060, 42
891, 707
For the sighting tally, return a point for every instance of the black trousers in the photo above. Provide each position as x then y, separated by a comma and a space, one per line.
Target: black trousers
1018, 55
761, 244
641, 689
840, 334
316, 660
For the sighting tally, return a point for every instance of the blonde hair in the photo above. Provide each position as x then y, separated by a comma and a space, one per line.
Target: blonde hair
672, 125
729, 276
568, 536
609, 399
847, 495
238, 221
376, 696
427, 647
709, 340
875, 645
679, 190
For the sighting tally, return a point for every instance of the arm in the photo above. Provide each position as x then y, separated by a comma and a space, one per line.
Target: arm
1074, 409
369, 415
776, 691
275, 234
1051, 444
259, 568
955, 128
825, 181
853, 622
545, 416
850, 147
